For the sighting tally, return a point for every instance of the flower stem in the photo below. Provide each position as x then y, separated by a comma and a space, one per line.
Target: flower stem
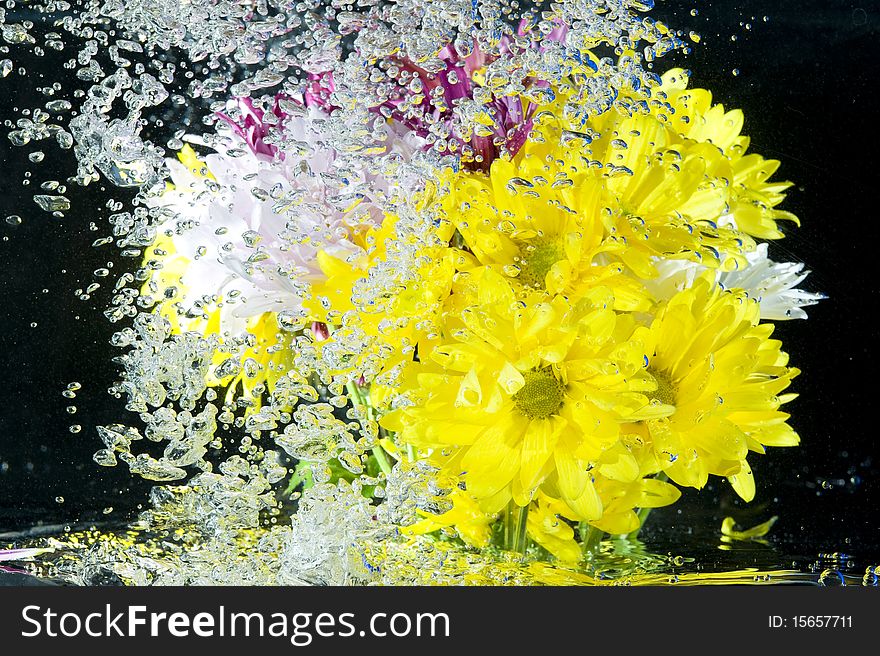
357, 398
591, 537
515, 523
382, 458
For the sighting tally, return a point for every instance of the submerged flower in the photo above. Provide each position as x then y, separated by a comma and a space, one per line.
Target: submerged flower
722, 379
465, 515
429, 104
468, 101
547, 527
541, 227
773, 284
239, 248
244, 227
584, 202
529, 398
753, 196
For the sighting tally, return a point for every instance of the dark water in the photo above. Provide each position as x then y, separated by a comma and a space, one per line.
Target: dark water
806, 80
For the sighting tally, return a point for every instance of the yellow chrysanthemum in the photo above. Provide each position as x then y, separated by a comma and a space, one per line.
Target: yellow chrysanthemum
529, 397
408, 316
669, 178
465, 516
541, 227
663, 196
548, 528
753, 196
722, 378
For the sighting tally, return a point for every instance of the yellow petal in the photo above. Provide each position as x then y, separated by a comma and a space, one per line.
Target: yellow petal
587, 506
537, 447
744, 482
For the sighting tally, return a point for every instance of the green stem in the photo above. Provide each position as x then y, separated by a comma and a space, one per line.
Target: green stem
382, 458
358, 399
591, 537
515, 524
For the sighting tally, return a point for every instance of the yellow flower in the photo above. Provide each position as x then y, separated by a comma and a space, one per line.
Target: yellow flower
721, 378
540, 225
753, 196
529, 397
406, 317
548, 528
663, 196
670, 178
465, 516
622, 498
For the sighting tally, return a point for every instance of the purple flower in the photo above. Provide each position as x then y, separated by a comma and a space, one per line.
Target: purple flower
429, 113
253, 128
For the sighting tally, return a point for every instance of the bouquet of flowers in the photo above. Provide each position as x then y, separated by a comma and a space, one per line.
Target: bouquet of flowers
470, 284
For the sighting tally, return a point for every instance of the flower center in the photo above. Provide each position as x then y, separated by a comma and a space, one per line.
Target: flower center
536, 258
542, 394
665, 392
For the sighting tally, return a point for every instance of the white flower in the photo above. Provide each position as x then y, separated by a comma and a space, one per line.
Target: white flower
246, 232
773, 284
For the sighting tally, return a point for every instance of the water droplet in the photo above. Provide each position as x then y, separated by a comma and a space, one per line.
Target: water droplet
52, 203
58, 106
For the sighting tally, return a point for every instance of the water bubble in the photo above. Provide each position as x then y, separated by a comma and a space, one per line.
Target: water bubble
831, 577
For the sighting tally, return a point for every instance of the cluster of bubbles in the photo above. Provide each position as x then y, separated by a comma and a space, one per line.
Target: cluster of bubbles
228, 509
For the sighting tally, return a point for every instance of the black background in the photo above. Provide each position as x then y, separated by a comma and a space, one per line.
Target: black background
807, 84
